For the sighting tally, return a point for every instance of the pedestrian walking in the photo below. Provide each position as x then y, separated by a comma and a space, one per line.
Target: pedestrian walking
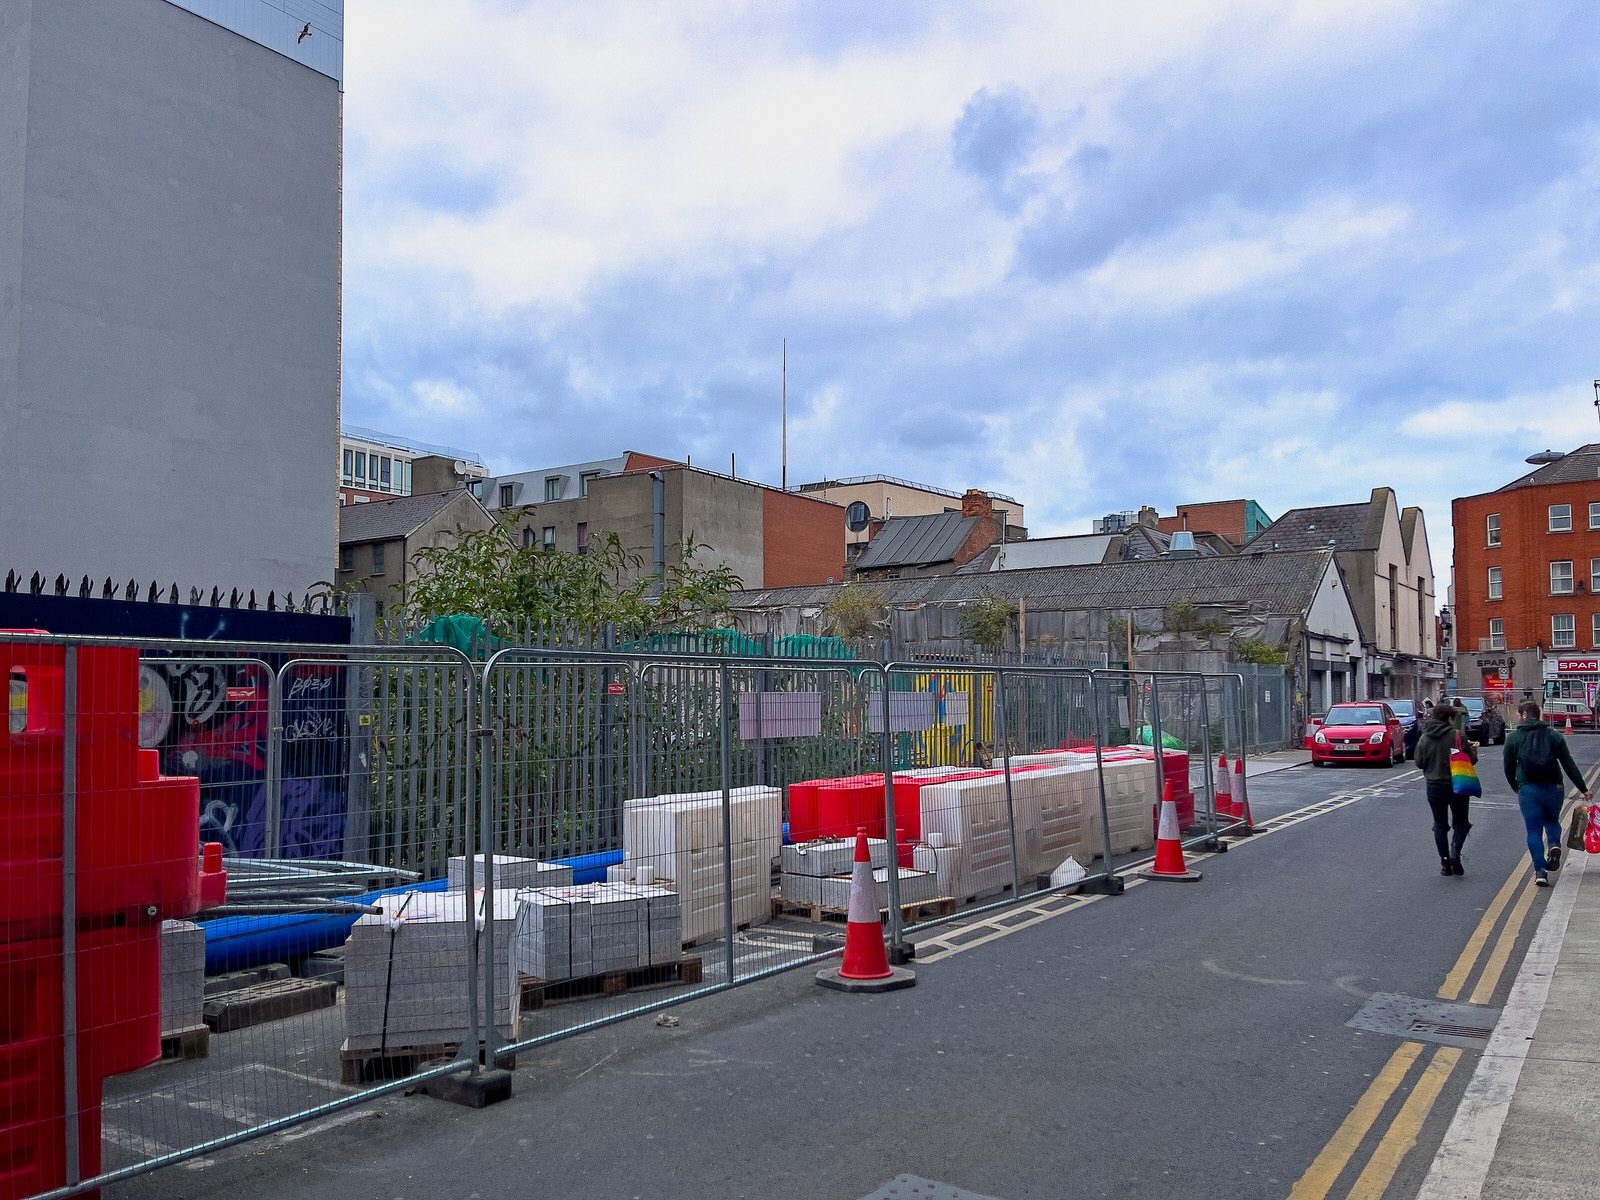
1440, 735
1535, 757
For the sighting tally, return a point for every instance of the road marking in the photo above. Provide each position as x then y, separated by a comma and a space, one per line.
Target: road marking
1496, 965
1467, 1151
1457, 978
1402, 1134
1216, 969
1326, 1168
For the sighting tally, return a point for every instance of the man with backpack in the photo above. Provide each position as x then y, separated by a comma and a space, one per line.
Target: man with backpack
1535, 756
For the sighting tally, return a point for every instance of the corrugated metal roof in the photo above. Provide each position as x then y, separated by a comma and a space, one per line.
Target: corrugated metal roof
916, 541
1581, 466
390, 520
1283, 584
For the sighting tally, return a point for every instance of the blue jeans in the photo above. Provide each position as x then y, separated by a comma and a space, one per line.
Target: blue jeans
1541, 813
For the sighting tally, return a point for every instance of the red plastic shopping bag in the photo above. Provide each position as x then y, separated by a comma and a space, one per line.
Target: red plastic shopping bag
1591, 835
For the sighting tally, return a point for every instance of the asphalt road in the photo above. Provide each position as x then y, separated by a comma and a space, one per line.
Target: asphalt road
1179, 1040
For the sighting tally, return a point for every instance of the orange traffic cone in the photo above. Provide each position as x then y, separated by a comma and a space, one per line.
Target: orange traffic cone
866, 961
1169, 864
1225, 804
1241, 799
1568, 728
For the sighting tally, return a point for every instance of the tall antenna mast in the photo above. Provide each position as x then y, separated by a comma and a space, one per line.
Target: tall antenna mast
784, 480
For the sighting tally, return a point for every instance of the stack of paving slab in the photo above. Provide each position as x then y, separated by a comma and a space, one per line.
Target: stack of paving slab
820, 873
183, 975
592, 928
675, 841
509, 872
406, 979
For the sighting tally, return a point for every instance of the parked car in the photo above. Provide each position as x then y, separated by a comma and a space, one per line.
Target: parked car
1359, 732
1558, 711
1411, 726
1313, 723
1485, 725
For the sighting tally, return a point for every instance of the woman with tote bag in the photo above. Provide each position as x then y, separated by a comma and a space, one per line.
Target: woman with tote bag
1445, 757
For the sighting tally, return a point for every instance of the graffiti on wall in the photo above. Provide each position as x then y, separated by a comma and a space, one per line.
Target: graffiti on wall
211, 720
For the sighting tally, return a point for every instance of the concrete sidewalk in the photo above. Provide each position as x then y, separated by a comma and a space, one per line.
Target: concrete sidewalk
1276, 760
1527, 1125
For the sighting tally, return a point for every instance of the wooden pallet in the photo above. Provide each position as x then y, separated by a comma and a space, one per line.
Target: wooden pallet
263, 1002
181, 1045
536, 992
708, 939
396, 1062
919, 910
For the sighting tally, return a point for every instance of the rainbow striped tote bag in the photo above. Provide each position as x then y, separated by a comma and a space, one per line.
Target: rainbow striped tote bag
1463, 775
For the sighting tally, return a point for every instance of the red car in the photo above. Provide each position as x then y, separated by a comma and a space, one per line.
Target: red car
1361, 732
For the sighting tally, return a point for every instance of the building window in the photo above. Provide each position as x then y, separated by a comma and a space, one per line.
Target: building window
1560, 578
1493, 524
347, 471
403, 468
1594, 631
549, 537
552, 487
1497, 633
377, 559
1496, 587
347, 558
585, 479
1561, 518
1594, 516
505, 495
361, 468
527, 535
1563, 631
385, 475
341, 499
583, 537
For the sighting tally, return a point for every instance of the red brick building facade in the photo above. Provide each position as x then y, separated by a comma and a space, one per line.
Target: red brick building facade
1527, 570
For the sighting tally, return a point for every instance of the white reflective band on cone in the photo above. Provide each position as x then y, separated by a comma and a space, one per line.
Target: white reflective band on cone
1168, 831
863, 895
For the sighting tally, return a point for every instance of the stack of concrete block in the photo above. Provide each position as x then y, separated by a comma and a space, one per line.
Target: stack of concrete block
406, 977
676, 841
591, 928
509, 872
553, 940
916, 887
806, 866
183, 975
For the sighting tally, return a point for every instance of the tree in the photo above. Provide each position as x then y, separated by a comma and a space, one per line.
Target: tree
486, 574
855, 612
987, 620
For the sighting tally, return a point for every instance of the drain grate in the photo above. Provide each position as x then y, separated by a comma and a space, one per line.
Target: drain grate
1468, 1026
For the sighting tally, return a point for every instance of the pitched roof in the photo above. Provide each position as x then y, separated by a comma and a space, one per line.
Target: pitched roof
1581, 465
391, 520
916, 541
1283, 584
1333, 526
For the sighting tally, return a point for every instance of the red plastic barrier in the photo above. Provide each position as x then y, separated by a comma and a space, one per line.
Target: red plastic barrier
137, 862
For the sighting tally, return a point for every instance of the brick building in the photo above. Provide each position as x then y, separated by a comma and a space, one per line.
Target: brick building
1236, 520
1527, 568
769, 537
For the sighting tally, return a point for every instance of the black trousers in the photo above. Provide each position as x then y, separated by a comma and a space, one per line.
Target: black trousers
1450, 824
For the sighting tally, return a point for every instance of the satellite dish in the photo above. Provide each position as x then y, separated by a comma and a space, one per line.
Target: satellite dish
460, 466
856, 516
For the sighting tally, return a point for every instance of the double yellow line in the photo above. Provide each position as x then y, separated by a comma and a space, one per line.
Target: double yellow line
1400, 1137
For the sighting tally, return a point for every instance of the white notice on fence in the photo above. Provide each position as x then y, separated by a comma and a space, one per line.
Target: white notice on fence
779, 714
1266, 695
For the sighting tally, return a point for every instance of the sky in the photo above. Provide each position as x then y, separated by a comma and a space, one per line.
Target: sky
1092, 256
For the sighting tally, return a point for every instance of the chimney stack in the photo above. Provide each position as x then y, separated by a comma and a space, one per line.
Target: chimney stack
1149, 517
976, 504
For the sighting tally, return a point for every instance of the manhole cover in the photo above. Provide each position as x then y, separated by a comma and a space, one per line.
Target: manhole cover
913, 1187
1468, 1026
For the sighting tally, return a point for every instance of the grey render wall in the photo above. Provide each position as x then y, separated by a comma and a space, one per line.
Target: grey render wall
175, 411
15, 21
